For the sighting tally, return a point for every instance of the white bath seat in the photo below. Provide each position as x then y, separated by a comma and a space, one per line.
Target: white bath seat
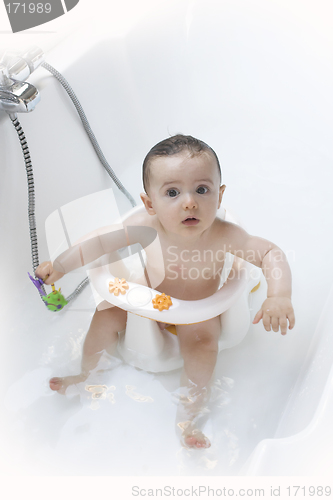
144, 345
138, 298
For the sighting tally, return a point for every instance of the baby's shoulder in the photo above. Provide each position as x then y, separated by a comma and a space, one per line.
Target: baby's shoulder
227, 233
139, 218
226, 228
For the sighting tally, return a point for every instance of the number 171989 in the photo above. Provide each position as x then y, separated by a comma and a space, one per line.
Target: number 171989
28, 8
311, 491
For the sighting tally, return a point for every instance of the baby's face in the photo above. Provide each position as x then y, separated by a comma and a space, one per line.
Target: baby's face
184, 192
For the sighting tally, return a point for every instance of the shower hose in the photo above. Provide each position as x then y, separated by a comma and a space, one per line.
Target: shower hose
30, 177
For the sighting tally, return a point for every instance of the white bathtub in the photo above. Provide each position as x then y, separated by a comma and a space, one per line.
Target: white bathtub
249, 81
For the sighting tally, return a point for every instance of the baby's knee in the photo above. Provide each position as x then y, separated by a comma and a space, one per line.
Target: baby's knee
111, 315
207, 341
197, 338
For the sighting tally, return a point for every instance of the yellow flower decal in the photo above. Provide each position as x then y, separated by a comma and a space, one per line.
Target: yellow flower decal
161, 302
118, 286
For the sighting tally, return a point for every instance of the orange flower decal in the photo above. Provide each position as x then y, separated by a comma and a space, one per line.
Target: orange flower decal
118, 286
161, 302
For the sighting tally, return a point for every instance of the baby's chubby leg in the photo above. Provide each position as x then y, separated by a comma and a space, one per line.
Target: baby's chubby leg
102, 335
199, 348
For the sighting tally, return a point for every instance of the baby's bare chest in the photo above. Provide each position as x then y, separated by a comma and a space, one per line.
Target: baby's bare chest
192, 274
194, 264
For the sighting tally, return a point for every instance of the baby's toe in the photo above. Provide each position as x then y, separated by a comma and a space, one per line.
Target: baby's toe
55, 383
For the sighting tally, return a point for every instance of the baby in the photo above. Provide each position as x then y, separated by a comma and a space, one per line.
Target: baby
183, 191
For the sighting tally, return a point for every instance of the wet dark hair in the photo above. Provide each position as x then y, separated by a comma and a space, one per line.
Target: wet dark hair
173, 146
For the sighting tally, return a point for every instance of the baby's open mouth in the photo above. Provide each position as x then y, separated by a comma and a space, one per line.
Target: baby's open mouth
190, 221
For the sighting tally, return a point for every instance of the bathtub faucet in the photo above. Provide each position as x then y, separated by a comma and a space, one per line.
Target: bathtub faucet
16, 95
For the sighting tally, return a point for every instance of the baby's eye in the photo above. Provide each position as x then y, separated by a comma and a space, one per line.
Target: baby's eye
172, 192
202, 190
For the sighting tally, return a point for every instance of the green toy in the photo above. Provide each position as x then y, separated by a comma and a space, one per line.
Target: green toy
54, 301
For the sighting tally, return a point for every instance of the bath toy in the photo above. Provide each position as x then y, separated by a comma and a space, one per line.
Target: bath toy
54, 301
38, 282
118, 286
162, 302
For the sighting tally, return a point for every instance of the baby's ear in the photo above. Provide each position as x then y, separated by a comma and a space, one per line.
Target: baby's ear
222, 189
147, 203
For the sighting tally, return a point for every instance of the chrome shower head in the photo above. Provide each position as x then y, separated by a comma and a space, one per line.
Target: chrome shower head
18, 97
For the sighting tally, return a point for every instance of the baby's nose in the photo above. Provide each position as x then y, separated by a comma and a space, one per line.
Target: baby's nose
189, 202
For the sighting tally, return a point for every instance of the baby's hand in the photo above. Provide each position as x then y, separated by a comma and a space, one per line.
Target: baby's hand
47, 273
275, 312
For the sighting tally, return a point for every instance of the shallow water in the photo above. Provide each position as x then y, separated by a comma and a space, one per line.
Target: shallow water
252, 83
121, 421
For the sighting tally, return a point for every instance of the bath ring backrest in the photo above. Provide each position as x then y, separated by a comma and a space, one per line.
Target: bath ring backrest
138, 298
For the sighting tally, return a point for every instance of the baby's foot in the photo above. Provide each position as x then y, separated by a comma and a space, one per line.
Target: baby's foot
60, 384
196, 439
192, 437
192, 415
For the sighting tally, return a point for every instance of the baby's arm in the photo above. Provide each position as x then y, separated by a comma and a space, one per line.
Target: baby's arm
85, 250
95, 244
90, 248
277, 309
47, 273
